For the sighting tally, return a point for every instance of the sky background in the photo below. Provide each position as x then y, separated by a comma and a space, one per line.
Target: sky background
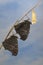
30, 51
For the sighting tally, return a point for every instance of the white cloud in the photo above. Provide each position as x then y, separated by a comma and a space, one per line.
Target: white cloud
37, 62
3, 56
24, 60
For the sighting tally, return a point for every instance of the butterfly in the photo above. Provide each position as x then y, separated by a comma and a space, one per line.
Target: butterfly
11, 44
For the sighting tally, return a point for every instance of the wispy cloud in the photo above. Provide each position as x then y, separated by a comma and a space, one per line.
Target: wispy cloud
5, 1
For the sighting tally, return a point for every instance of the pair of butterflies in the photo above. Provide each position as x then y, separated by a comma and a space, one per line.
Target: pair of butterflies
11, 43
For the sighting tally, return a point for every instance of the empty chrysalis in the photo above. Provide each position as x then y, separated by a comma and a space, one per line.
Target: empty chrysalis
33, 17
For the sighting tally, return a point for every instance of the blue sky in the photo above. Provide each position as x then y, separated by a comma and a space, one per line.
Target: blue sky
30, 51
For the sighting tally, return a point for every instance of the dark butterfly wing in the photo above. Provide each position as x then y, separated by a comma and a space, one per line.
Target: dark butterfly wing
11, 44
23, 29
